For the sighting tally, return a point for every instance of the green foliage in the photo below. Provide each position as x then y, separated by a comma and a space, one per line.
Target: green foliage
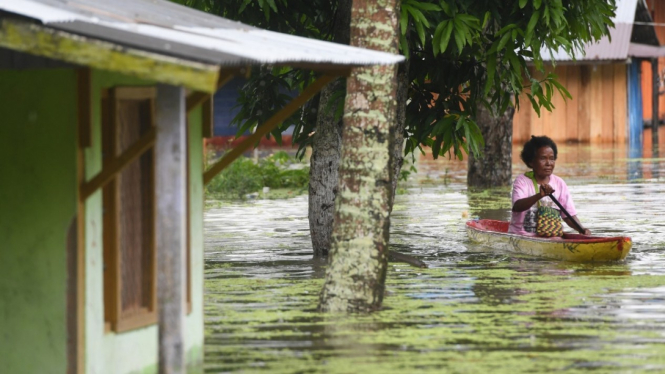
244, 177
238, 179
468, 53
462, 54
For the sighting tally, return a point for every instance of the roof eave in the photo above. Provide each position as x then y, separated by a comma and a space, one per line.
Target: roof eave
60, 45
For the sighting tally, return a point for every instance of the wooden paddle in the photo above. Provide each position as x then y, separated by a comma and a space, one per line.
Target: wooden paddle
579, 228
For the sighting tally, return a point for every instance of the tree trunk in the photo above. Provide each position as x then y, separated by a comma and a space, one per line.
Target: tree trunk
356, 272
326, 149
494, 167
397, 131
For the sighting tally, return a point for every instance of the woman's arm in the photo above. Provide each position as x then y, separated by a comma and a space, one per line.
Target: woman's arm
572, 225
527, 202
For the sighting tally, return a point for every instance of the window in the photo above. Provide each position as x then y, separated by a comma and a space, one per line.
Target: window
130, 296
130, 279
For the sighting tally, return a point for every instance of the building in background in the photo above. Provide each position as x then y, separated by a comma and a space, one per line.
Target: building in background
610, 84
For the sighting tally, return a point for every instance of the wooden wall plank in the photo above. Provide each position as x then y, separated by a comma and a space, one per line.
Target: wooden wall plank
584, 108
545, 123
537, 123
596, 105
558, 115
620, 106
655, 122
572, 106
596, 113
607, 100
522, 120
646, 84
529, 116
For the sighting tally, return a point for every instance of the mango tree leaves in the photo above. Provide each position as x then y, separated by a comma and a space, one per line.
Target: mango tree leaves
472, 53
462, 53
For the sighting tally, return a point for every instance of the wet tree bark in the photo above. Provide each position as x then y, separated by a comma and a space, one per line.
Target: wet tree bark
494, 167
356, 272
326, 149
397, 131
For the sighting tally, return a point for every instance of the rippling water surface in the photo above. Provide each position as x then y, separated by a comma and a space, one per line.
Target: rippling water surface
474, 309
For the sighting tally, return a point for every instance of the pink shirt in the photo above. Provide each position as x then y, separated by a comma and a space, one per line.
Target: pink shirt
524, 223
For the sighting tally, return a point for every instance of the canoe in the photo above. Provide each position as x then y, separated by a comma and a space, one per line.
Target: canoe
570, 247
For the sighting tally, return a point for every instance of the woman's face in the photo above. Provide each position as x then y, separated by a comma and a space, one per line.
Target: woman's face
543, 163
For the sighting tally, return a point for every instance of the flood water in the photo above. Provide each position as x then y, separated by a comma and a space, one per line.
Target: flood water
474, 310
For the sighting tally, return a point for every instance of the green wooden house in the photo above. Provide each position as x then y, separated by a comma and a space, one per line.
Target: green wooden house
103, 108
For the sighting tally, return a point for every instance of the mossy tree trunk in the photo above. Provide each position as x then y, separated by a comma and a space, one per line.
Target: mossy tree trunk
326, 149
356, 272
494, 167
397, 131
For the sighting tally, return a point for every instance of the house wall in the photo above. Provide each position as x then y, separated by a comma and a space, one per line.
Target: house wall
647, 90
136, 350
657, 10
37, 207
597, 113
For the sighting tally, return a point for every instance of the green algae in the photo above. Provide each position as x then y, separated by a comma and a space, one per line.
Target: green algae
517, 321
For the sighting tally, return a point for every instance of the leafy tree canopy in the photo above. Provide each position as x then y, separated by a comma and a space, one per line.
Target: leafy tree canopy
462, 53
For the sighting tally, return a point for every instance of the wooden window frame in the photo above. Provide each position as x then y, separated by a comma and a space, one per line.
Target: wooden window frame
114, 319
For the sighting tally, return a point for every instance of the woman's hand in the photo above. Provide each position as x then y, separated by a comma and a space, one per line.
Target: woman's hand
586, 232
545, 189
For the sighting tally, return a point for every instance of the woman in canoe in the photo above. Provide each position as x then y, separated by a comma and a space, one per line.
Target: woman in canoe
539, 154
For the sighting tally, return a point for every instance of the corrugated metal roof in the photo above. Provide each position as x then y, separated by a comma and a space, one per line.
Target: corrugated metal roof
625, 38
604, 49
625, 12
171, 29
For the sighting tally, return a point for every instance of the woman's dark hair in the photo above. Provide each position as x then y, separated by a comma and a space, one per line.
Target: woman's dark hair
533, 145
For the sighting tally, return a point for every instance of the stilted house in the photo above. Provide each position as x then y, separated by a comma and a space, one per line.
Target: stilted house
103, 107
606, 82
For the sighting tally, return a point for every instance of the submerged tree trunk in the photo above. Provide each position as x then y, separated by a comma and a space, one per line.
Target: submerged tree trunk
356, 272
397, 131
326, 149
494, 167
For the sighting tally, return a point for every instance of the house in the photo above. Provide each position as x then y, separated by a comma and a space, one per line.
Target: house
225, 134
610, 84
103, 108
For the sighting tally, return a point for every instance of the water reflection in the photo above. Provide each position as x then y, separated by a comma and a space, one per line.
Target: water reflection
473, 310
634, 161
